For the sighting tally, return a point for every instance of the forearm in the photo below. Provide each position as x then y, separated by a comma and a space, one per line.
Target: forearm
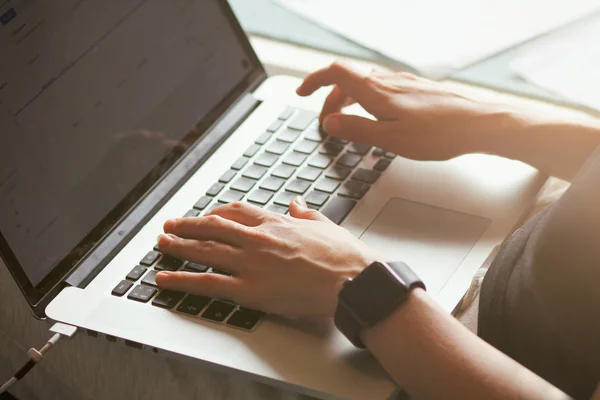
554, 146
432, 356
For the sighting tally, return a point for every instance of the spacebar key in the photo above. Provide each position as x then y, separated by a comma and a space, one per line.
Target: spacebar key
338, 209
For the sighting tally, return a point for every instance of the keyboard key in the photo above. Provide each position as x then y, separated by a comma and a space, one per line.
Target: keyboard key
156, 248
337, 172
327, 185
306, 147
150, 258
195, 267
231, 196
167, 299
277, 147
284, 199
202, 203
250, 310
378, 152
277, 209
266, 160
150, 279
390, 155
349, 160
366, 175
252, 150
243, 184
227, 176
309, 174
240, 163
263, 138
136, 273
243, 319
338, 209
339, 140
302, 120
191, 213
332, 149
169, 263
315, 134
260, 196
354, 189
272, 183
297, 186
286, 114
215, 189
255, 172
121, 288
382, 164
321, 161
275, 126
142, 293
283, 171
288, 136
218, 311
316, 198
359, 148
221, 272
295, 159
192, 305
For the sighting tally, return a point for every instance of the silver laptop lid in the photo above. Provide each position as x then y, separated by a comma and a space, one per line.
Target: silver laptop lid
97, 101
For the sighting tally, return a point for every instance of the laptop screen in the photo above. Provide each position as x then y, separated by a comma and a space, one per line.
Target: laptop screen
97, 100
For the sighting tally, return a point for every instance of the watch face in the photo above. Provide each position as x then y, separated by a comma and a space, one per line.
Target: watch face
375, 289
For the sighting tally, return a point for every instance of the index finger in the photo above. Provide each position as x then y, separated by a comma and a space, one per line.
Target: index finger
347, 77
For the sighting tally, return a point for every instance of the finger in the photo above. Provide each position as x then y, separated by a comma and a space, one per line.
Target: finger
210, 285
348, 78
299, 209
208, 227
210, 253
359, 129
242, 213
335, 102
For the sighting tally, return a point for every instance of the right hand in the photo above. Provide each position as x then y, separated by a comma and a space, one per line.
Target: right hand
416, 117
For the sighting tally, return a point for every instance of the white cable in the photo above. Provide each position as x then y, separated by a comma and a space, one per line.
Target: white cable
36, 356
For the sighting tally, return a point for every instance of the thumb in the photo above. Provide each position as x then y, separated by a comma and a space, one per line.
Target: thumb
299, 209
359, 129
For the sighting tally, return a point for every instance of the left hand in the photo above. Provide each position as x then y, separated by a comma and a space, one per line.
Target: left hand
286, 265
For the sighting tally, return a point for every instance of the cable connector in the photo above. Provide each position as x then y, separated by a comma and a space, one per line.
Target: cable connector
35, 356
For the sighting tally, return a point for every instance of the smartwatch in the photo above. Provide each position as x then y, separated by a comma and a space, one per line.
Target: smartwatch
372, 296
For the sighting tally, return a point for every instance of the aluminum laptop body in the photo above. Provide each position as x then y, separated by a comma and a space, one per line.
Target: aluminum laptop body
133, 115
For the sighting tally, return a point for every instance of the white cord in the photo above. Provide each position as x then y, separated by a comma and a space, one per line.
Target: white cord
36, 356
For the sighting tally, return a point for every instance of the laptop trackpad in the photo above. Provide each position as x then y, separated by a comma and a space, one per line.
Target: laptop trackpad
432, 240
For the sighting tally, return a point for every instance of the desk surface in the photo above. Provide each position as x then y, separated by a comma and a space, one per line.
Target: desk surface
267, 19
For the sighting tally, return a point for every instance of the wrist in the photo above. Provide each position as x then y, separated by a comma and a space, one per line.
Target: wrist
418, 302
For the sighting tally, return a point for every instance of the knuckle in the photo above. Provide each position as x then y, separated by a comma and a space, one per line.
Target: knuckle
237, 206
339, 66
211, 220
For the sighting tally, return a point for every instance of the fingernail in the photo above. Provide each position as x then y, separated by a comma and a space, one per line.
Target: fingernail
164, 240
169, 224
162, 275
300, 200
331, 124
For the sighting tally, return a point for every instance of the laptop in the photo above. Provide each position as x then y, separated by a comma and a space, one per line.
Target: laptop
116, 116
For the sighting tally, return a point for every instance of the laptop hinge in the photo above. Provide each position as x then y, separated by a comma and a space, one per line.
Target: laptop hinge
115, 240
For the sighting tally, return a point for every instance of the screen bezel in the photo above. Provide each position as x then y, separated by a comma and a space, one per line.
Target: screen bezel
36, 294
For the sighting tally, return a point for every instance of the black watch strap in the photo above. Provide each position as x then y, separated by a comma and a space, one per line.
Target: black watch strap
399, 280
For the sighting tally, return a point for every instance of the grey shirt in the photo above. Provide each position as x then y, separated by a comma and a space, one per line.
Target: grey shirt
540, 300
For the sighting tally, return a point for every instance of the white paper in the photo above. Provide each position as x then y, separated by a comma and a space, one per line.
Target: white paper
569, 67
438, 37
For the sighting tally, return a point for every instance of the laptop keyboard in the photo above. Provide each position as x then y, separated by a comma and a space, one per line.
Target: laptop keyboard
292, 157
